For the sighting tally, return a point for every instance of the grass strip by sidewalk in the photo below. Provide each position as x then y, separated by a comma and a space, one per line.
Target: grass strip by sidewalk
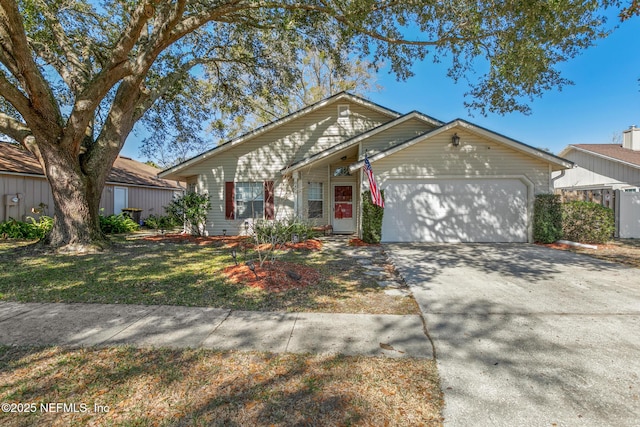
187, 274
144, 387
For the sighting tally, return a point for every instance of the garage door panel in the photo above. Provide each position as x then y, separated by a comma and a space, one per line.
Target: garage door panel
455, 211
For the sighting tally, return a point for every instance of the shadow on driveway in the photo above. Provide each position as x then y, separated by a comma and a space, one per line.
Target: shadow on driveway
526, 335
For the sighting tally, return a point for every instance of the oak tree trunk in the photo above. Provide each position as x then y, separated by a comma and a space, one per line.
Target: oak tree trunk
76, 195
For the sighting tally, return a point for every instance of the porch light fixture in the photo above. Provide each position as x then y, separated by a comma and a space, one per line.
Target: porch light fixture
234, 255
455, 140
224, 232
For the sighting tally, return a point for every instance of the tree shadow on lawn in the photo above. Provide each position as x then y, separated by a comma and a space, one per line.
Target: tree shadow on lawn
197, 387
147, 273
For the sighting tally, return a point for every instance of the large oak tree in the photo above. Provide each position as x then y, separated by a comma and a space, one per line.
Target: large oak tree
77, 75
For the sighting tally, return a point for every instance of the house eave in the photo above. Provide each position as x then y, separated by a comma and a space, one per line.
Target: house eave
556, 161
602, 156
174, 172
358, 138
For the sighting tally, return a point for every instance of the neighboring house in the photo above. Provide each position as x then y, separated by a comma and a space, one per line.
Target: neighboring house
130, 184
603, 166
611, 174
443, 182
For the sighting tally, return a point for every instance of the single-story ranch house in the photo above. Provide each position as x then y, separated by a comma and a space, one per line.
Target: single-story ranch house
130, 184
442, 182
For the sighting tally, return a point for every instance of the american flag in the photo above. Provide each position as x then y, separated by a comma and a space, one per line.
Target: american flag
375, 191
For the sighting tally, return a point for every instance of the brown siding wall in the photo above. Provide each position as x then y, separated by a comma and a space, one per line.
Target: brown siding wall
36, 190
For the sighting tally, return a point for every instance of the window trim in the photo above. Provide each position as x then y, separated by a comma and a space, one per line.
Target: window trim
321, 200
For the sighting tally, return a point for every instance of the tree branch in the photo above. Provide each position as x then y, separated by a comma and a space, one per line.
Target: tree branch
38, 91
13, 128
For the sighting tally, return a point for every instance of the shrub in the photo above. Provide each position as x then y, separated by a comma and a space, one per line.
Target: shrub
587, 222
161, 222
547, 218
281, 231
190, 210
114, 224
371, 219
30, 230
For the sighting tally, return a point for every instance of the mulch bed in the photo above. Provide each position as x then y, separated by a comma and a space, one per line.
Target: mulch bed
360, 242
278, 276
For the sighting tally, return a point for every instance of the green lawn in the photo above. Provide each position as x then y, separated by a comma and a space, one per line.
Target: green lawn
141, 272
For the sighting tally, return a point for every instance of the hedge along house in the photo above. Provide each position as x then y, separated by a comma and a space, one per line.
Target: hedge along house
443, 182
130, 184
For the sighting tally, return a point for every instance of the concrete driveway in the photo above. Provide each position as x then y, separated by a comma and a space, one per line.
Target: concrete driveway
528, 336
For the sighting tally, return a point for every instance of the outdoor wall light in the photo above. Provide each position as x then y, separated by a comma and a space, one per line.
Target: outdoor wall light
224, 232
455, 140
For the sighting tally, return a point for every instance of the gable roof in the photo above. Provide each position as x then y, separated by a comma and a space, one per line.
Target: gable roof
556, 161
16, 160
612, 152
360, 137
342, 96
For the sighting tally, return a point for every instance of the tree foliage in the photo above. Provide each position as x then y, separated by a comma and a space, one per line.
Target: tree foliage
77, 75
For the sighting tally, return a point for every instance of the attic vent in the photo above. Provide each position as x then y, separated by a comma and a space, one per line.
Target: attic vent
343, 112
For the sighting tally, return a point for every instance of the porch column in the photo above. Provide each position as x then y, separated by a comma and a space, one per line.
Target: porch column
297, 193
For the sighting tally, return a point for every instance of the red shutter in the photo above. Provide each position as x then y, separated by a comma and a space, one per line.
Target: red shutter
268, 200
229, 200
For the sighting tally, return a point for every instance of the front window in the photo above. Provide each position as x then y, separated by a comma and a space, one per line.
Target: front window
249, 200
315, 200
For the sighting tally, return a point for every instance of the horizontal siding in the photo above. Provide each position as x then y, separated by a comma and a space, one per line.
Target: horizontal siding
476, 157
262, 159
37, 190
33, 191
394, 136
596, 171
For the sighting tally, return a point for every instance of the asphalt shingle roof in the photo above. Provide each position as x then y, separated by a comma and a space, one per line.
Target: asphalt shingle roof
15, 159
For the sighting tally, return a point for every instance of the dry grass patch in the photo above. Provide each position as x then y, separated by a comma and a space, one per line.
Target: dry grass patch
199, 387
622, 251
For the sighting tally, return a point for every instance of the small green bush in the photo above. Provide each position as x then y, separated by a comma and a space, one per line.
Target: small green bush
547, 218
29, 230
587, 222
371, 219
161, 222
192, 209
281, 231
115, 224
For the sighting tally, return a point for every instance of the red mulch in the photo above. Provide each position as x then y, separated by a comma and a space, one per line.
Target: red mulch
360, 242
273, 277
229, 241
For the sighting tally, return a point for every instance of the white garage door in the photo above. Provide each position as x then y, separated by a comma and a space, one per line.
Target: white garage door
465, 210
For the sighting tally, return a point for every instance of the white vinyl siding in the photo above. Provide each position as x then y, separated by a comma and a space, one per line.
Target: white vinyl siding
475, 157
594, 171
263, 157
397, 134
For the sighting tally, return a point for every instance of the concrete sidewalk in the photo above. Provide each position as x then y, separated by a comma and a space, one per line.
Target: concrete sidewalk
81, 325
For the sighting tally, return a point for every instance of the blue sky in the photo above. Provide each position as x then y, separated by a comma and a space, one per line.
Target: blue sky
604, 101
